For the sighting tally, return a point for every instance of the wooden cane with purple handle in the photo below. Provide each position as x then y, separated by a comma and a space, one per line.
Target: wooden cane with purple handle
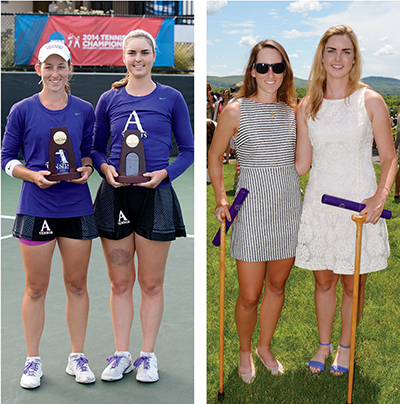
359, 220
221, 394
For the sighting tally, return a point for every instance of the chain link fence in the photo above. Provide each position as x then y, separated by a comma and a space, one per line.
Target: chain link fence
7, 40
184, 52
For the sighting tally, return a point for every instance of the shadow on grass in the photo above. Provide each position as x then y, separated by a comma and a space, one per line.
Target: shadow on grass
231, 192
297, 387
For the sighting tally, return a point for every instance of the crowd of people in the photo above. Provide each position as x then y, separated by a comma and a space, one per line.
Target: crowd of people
329, 135
216, 103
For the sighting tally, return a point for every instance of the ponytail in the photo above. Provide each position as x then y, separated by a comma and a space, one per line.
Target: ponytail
121, 83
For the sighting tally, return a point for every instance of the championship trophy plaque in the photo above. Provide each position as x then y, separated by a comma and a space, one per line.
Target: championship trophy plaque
61, 156
132, 164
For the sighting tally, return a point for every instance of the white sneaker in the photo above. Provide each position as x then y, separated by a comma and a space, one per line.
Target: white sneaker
119, 364
32, 373
147, 367
78, 366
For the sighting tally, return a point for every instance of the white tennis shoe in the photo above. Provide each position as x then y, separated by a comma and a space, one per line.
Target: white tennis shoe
32, 373
78, 366
147, 370
119, 364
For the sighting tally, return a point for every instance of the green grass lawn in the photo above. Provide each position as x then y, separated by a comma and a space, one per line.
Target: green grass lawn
377, 370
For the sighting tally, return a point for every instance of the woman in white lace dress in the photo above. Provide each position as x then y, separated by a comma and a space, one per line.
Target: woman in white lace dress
336, 123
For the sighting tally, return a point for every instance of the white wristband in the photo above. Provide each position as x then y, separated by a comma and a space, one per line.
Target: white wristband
10, 167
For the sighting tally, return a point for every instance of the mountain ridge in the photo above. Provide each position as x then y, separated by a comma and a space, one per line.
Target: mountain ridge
383, 85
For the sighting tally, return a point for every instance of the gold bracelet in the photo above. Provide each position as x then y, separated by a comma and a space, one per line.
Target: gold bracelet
383, 186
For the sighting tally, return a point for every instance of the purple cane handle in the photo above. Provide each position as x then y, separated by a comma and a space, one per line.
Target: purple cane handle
345, 204
233, 210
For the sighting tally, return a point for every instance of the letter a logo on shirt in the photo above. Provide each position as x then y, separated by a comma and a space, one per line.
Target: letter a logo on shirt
122, 218
45, 229
134, 119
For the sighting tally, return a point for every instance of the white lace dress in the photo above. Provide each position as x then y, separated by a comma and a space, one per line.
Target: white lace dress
341, 137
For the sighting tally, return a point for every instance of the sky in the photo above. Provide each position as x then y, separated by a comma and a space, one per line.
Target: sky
234, 27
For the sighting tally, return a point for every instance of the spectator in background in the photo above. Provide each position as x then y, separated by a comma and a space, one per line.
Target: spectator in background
235, 88
221, 104
210, 103
211, 126
219, 107
397, 147
232, 89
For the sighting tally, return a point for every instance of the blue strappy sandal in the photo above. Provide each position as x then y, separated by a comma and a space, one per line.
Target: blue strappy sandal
317, 364
341, 369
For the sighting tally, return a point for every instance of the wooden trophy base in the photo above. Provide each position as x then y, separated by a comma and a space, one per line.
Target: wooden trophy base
63, 177
132, 164
129, 179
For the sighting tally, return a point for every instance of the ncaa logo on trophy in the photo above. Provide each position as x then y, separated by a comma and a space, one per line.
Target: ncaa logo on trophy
132, 164
62, 163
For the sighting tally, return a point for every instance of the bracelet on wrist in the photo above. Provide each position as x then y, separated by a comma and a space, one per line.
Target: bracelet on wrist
89, 165
383, 186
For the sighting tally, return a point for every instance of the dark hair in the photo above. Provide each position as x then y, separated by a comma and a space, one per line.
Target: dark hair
210, 131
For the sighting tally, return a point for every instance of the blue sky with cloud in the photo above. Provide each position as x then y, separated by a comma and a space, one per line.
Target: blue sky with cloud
233, 27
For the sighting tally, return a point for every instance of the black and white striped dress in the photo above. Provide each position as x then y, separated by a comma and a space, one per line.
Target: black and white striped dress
267, 224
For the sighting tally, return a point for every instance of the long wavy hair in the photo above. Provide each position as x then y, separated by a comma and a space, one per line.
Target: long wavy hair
137, 33
316, 84
286, 92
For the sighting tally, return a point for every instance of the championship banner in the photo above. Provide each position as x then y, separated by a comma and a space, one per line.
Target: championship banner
93, 41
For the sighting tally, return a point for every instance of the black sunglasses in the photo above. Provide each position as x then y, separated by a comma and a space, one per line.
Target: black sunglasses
277, 68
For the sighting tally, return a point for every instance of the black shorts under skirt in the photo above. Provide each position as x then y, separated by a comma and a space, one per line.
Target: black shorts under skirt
46, 229
154, 214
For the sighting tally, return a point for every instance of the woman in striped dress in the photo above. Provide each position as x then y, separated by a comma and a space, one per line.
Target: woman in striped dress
264, 236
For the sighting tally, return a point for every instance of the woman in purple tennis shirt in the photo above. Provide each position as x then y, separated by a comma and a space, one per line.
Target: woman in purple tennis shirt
143, 218
52, 211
